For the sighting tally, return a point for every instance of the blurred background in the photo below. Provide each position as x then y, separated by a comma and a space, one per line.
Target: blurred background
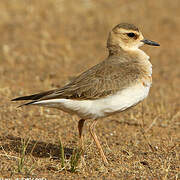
45, 43
53, 39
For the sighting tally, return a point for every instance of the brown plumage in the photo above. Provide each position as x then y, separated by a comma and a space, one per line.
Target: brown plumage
105, 78
111, 75
126, 26
107, 87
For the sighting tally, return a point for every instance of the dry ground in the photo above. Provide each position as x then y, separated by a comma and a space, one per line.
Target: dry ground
43, 44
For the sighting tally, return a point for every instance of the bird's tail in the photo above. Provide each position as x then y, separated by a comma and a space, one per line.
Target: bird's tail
34, 98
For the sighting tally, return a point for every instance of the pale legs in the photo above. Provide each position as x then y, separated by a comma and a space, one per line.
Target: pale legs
93, 134
91, 129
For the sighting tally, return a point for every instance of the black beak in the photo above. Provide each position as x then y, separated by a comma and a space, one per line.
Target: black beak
149, 42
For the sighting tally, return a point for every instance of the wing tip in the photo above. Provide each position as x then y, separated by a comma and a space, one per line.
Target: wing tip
20, 98
26, 104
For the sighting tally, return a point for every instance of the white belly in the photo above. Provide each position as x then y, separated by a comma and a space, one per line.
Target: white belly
100, 107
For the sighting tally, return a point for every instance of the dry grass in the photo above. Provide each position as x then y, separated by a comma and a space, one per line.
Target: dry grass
43, 44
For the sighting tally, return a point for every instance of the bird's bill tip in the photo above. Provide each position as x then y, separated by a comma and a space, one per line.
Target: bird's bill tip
149, 42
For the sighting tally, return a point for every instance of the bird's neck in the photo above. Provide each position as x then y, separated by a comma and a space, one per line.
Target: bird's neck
142, 58
114, 50
132, 55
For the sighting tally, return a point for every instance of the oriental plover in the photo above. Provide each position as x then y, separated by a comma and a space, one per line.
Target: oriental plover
119, 82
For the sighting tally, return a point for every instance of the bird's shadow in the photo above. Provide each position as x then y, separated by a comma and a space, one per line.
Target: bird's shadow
35, 148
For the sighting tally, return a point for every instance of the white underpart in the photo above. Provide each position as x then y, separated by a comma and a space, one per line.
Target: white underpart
100, 107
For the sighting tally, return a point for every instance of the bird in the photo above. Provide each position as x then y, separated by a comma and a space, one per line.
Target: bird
117, 83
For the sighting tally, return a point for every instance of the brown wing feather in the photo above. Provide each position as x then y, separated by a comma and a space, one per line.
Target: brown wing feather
34, 96
101, 80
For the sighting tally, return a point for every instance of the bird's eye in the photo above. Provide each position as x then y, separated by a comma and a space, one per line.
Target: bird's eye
131, 35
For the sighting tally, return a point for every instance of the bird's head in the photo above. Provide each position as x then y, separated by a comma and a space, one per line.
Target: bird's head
127, 37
